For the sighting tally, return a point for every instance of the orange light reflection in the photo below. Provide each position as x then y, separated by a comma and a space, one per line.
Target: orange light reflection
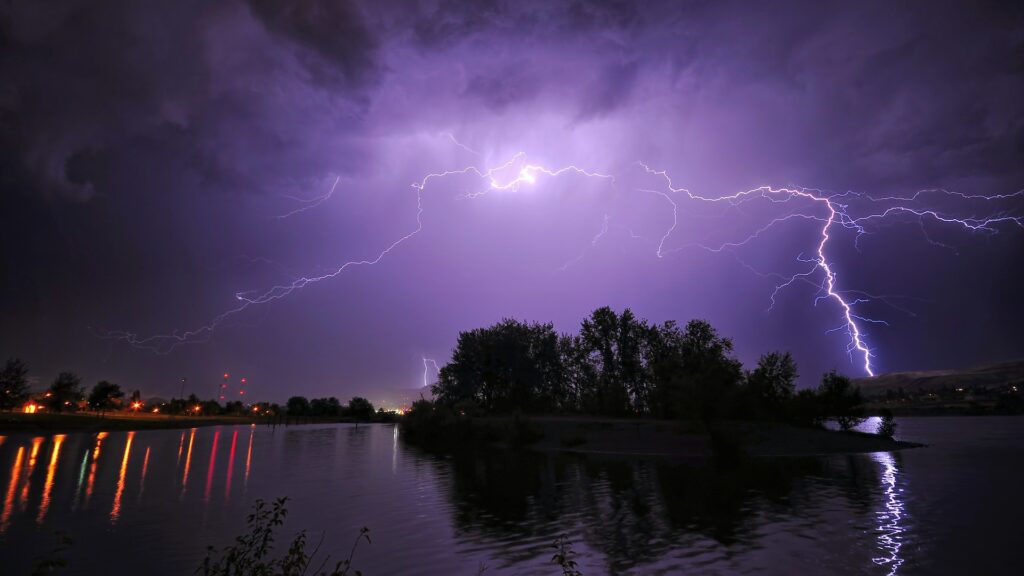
44, 505
115, 511
188, 461
36, 443
11, 488
91, 482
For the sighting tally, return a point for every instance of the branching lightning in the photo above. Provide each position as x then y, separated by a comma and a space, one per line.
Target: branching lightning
829, 213
309, 204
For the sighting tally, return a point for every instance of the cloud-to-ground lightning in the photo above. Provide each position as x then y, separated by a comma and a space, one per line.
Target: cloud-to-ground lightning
835, 213
830, 212
429, 363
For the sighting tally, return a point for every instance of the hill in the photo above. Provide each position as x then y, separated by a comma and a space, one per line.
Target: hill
996, 376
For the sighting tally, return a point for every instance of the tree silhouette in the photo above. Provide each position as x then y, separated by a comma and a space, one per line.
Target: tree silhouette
620, 365
65, 393
297, 406
325, 406
360, 408
509, 366
614, 345
770, 386
887, 424
696, 374
841, 400
104, 396
13, 384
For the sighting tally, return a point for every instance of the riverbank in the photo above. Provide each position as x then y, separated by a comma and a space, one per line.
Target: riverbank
86, 422
90, 421
766, 439
681, 440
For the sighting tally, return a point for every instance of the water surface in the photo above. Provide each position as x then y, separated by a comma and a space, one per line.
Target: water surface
151, 501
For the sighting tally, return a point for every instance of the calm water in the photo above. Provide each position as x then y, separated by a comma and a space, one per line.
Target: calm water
151, 501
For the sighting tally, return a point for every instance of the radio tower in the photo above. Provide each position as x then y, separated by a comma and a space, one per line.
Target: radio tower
224, 386
241, 386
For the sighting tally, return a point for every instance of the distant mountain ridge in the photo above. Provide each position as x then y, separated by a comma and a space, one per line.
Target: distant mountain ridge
992, 376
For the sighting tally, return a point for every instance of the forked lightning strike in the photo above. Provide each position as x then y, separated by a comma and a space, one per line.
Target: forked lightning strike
510, 176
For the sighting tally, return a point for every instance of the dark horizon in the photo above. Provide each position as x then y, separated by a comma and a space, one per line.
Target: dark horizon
165, 166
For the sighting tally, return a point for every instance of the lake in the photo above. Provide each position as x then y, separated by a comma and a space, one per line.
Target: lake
149, 502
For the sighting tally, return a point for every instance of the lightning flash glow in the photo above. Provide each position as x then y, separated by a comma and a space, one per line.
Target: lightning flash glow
832, 212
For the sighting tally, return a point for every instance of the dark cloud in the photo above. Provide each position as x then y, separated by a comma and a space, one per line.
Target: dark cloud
335, 31
609, 91
146, 147
450, 22
503, 87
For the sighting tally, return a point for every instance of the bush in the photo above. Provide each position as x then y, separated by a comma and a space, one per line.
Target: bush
887, 425
250, 554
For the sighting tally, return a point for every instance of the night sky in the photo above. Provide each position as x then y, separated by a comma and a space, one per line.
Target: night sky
160, 158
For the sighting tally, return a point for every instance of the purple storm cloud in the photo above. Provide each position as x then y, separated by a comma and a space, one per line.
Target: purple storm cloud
322, 194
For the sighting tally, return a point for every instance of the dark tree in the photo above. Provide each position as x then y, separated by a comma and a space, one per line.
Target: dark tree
805, 409
770, 386
13, 384
697, 376
65, 393
616, 347
667, 398
509, 366
841, 400
599, 337
887, 424
297, 406
325, 407
105, 396
360, 408
210, 407
579, 375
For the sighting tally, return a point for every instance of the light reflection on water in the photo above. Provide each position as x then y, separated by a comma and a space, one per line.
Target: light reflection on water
115, 511
850, 514
890, 517
44, 505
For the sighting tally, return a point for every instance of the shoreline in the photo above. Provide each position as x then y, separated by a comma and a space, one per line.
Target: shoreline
673, 439
56, 423
79, 422
584, 435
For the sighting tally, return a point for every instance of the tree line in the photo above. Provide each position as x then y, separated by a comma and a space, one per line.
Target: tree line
621, 365
358, 408
66, 394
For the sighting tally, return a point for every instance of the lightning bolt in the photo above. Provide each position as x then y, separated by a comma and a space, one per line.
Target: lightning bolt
427, 364
309, 204
829, 211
